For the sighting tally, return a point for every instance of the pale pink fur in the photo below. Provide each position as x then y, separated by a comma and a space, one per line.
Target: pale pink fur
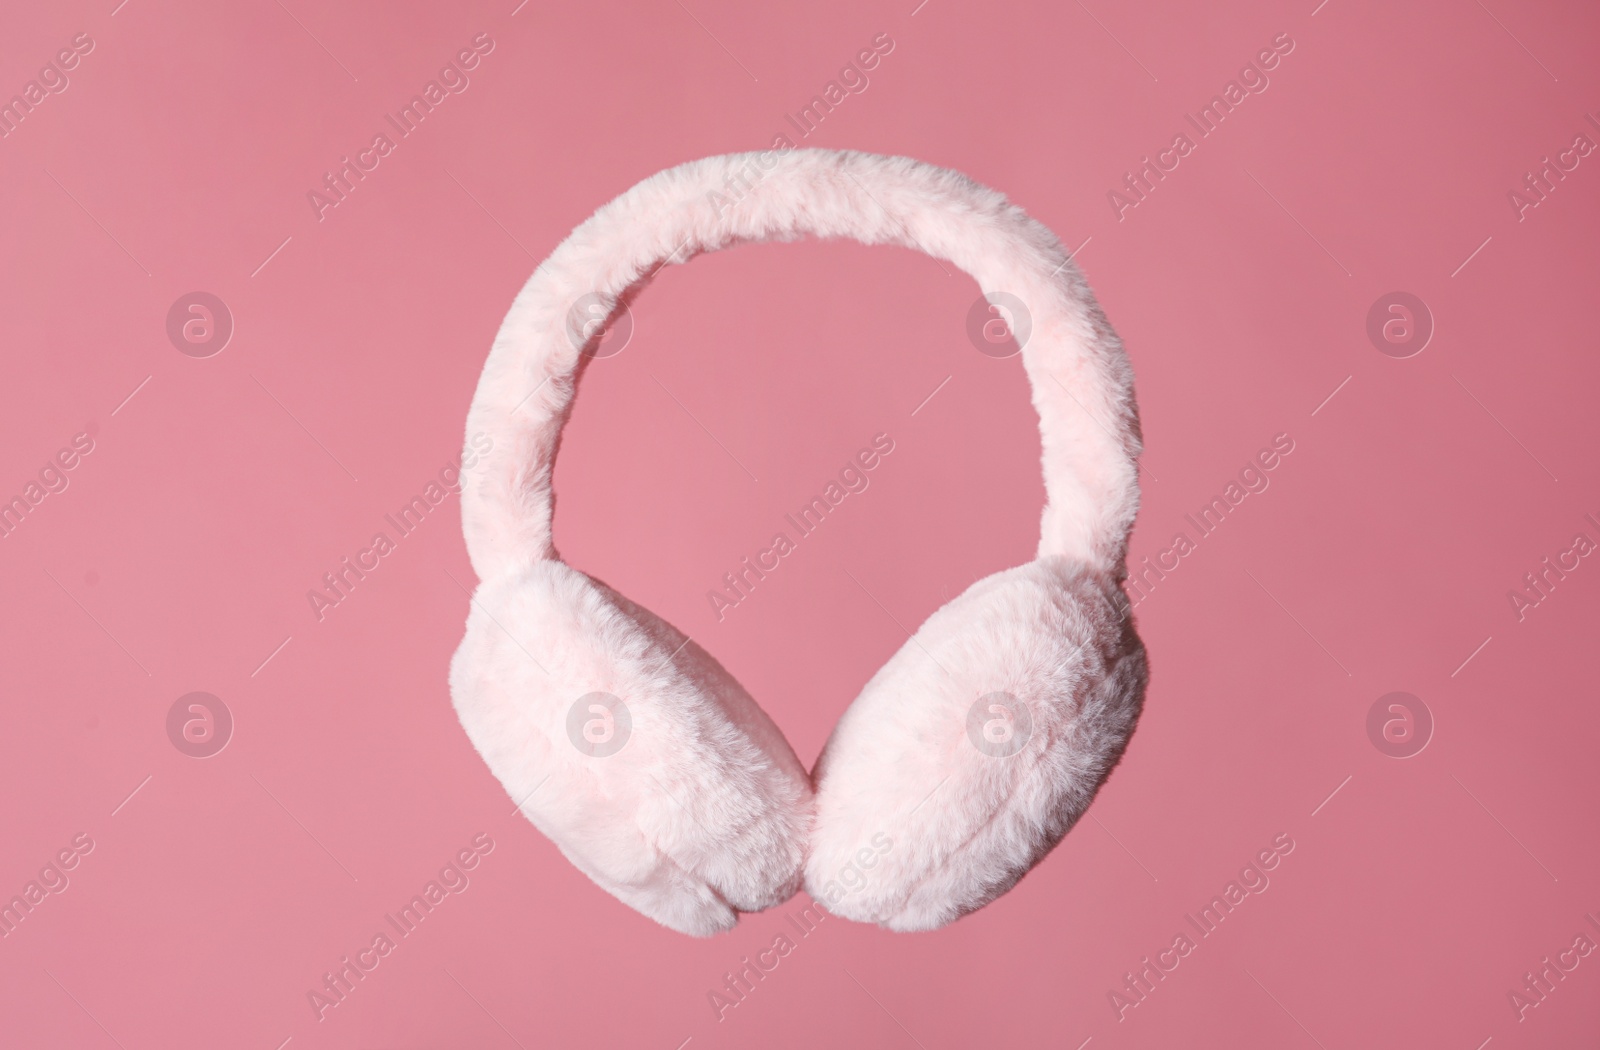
706, 811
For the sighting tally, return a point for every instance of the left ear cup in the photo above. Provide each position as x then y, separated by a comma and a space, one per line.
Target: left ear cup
631, 748
976, 747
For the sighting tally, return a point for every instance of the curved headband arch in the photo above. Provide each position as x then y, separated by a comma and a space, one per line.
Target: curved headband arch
1082, 382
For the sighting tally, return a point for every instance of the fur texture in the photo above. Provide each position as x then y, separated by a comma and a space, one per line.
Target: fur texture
961, 825
706, 811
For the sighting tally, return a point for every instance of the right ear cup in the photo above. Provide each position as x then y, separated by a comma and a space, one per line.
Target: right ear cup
631, 748
976, 747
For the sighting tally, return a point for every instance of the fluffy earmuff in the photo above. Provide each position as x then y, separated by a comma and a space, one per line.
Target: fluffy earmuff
976, 747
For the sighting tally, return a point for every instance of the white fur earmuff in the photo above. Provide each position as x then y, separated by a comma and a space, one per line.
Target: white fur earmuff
975, 748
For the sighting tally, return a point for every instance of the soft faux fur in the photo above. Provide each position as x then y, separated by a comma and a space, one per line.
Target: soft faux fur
706, 811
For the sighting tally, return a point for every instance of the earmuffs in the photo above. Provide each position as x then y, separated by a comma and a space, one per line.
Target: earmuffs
975, 748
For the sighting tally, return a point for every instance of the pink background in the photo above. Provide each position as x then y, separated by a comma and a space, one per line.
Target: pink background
219, 891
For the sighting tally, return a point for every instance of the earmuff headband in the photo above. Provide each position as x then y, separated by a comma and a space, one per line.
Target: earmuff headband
1082, 383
